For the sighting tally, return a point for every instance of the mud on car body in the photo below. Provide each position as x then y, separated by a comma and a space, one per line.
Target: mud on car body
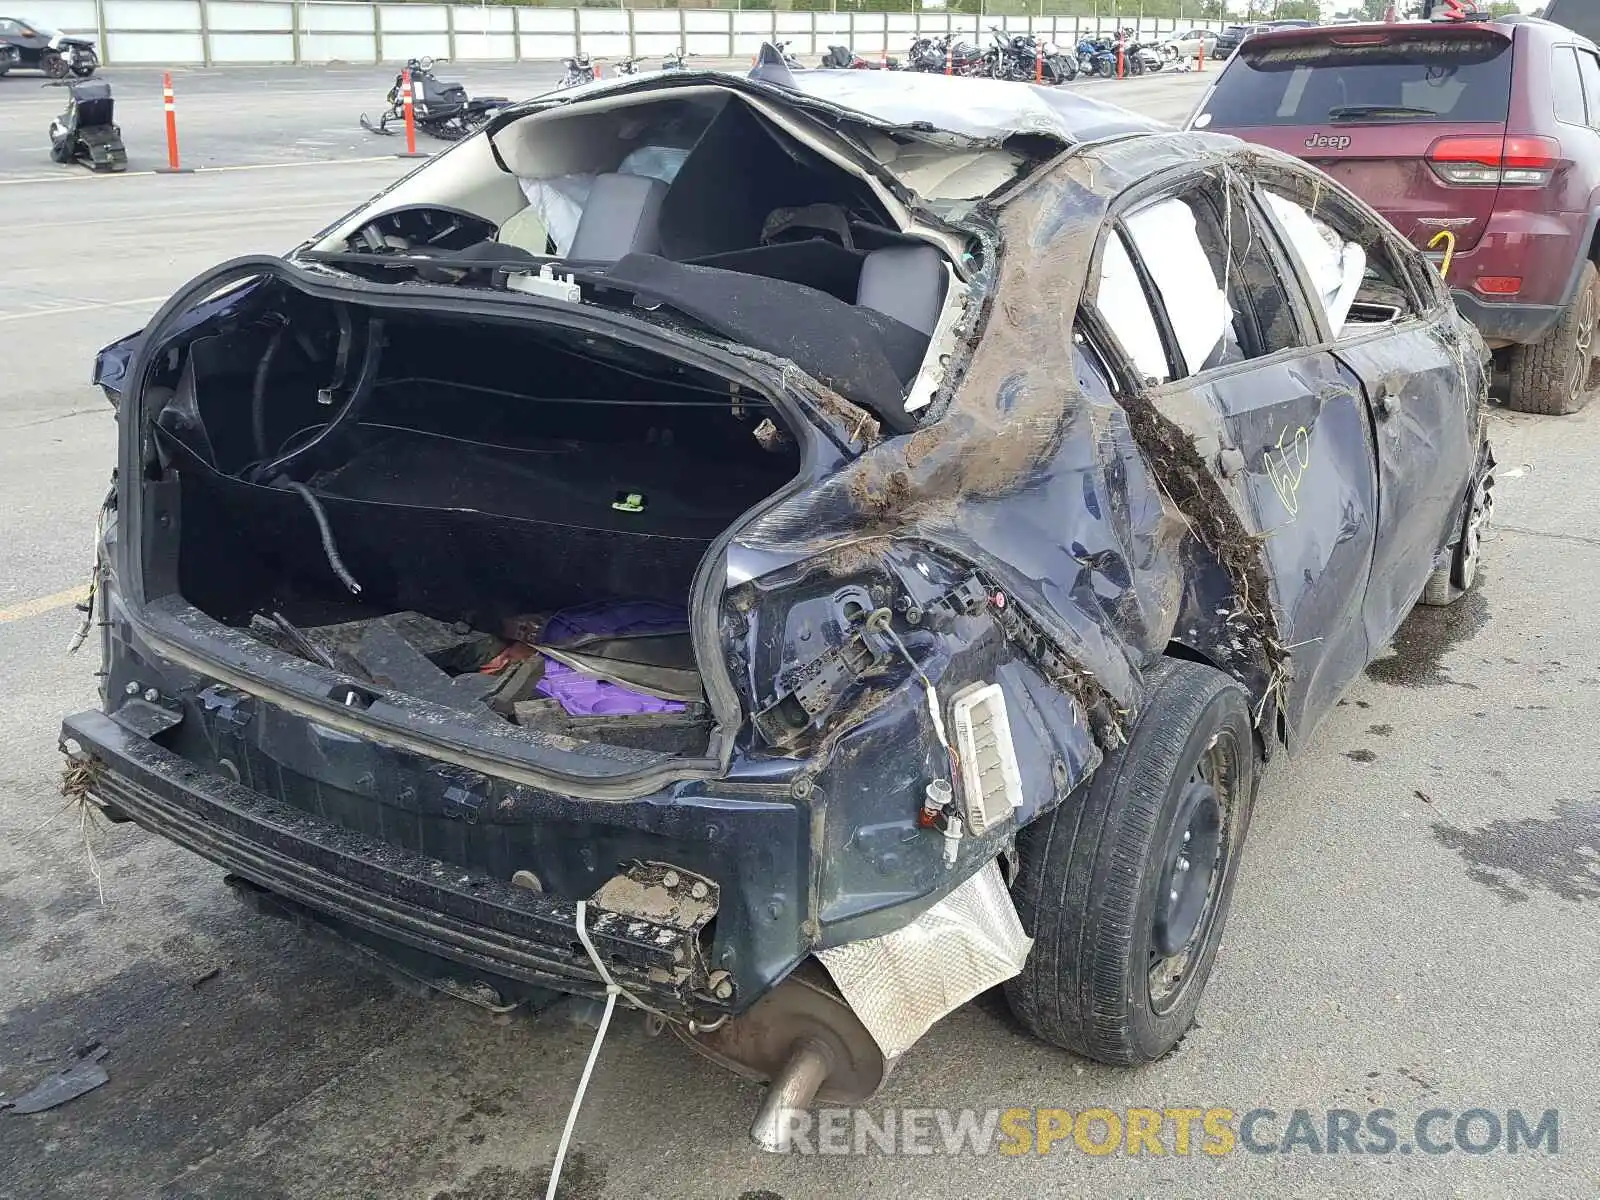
958, 509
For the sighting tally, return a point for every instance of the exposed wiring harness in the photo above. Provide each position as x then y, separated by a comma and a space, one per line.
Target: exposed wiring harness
329, 547
366, 382
880, 621
258, 392
275, 472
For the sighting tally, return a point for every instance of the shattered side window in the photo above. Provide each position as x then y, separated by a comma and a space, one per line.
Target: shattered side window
1119, 298
1356, 286
1125, 309
1166, 235
1218, 286
1352, 271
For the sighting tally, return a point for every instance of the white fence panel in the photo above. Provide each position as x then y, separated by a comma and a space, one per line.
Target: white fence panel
249, 16
69, 16
547, 45
238, 49
413, 31
901, 33
475, 46
547, 32
414, 18
338, 48
867, 33
832, 27
708, 33
483, 33
603, 32
750, 29
796, 29
656, 31
157, 49
336, 18
132, 16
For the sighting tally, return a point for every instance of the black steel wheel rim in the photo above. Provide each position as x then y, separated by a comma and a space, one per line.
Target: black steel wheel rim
1193, 863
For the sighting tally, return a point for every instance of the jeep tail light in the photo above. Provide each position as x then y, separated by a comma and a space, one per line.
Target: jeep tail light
1498, 285
1514, 160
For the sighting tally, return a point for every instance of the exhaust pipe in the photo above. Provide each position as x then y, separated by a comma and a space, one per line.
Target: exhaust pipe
805, 1040
792, 1090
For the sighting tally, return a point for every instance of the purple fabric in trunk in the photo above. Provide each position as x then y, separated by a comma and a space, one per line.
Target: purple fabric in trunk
585, 696
610, 619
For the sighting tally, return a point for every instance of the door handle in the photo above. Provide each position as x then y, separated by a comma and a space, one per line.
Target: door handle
1384, 401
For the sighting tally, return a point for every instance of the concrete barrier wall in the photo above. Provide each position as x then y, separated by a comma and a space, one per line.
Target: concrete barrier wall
224, 32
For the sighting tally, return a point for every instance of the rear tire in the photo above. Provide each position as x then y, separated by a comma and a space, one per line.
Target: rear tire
1125, 887
1552, 375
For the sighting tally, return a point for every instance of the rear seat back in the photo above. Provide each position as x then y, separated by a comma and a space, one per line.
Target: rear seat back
621, 216
906, 283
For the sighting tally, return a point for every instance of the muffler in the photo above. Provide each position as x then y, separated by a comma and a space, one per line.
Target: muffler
806, 1042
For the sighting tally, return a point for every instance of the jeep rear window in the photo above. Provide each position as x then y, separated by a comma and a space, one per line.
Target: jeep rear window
1406, 79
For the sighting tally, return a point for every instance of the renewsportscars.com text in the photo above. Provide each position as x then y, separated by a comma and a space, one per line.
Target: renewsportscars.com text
1178, 1132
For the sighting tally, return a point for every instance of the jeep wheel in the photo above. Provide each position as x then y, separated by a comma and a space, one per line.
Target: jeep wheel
1552, 376
1125, 886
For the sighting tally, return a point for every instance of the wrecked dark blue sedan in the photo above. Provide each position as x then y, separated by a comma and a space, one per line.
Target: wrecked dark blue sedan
784, 553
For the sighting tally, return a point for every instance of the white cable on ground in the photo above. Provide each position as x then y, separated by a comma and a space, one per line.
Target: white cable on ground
612, 992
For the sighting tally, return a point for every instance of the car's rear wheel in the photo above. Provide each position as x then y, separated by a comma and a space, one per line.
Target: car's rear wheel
1552, 376
1125, 887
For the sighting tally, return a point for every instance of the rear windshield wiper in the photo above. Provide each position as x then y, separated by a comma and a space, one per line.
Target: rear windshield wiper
1355, 112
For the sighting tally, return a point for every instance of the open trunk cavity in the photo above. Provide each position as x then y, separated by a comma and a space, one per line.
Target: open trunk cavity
502, 518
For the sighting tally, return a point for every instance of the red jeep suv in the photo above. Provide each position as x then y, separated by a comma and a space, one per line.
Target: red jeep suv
1489, 130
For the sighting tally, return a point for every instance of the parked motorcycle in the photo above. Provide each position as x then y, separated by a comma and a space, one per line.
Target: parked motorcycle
85, 132
579, 70
1096, 58
935, 55
789, 60
842, 58
1022, 57
676, 61
627, 66
1138, 57
441, 110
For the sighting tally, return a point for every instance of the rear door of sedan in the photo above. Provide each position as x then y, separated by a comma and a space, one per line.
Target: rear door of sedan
1391, 323
1222, 341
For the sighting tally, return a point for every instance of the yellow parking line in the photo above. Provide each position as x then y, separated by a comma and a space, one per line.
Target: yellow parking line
41, 605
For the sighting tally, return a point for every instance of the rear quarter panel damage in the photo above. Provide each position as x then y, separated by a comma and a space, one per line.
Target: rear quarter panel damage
1114, 527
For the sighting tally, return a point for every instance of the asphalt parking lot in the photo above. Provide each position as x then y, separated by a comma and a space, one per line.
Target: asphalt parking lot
1416, 925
